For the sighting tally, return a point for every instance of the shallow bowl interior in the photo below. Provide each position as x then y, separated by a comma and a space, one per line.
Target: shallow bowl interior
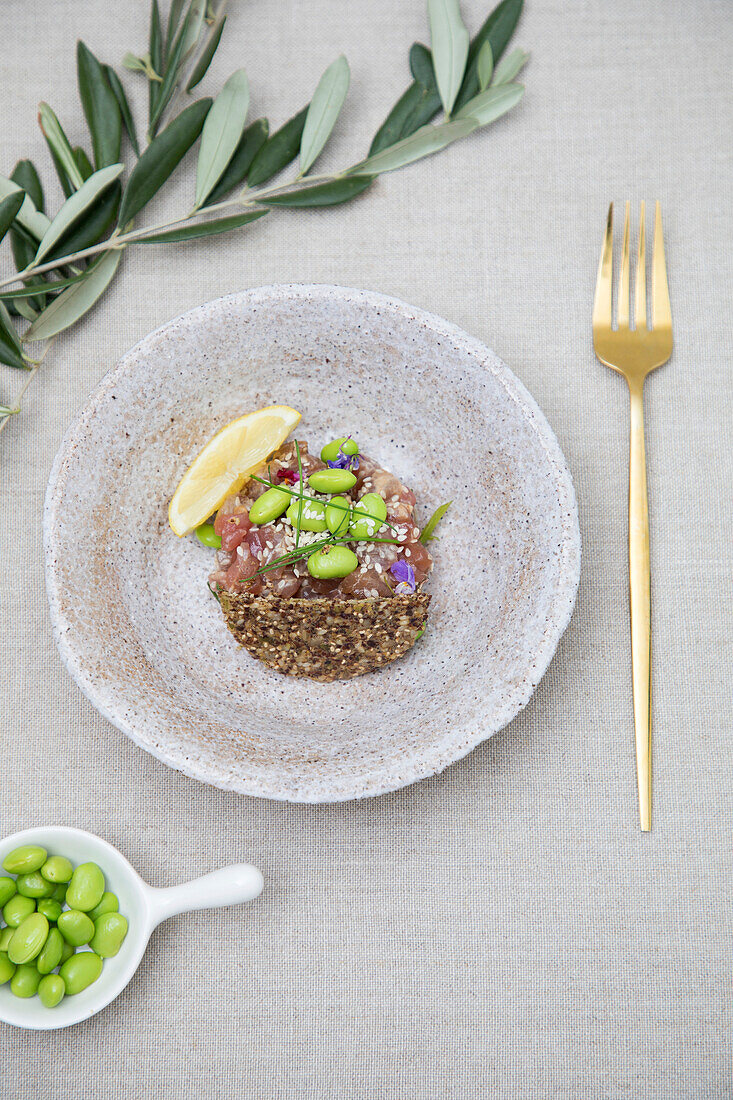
122, 880
133, 617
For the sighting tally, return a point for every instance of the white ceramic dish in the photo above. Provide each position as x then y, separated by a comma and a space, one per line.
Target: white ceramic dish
143, 638
144, 906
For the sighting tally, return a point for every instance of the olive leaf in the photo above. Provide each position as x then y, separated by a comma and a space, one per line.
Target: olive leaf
174, 18
59, 145
23, 252
26, 176
324, 109
212, 43
82, 162
421, 102
76, 300
66, 185
161, 157
421, 65
330, 193
136, 64
75, 206
11, 351
100, 107
41, 286
9, 207
192, 25
492, 104
33, 221
484, 66
278, 151
510, 66
497, 29
25, 309
450, 41
119, 93
221, 133
412, 110
423, 143
92, 226
205, 229
171, 72
22, 244
250, 143
156, 58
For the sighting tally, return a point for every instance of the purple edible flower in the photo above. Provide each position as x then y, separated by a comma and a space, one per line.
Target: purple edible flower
403, 572
344, 461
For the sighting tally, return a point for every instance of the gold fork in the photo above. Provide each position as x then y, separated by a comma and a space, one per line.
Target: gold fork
635, 353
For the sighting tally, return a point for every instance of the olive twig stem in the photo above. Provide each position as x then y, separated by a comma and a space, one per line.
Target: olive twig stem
120, 240
5, 417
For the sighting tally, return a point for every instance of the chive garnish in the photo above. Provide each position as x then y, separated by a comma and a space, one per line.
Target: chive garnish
433, 522
300, 493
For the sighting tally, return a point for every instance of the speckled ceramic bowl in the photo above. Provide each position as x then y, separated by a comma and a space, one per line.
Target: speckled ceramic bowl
138, 629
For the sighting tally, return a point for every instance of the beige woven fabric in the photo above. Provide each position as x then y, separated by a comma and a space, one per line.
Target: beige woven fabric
503, 930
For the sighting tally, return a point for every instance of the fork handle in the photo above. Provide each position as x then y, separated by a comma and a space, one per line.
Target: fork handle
641, 611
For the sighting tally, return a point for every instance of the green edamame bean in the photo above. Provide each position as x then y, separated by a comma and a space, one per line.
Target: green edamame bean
86, 887
344, 444
109, 932
80, 971
5, 937
332, 481
51, 909
269, 506
34, 885
28, 939
17, 909
338, 515
75, 927
7, 889
312, 515
208, 536
51, 990
57, 869
27, 858
7, 968
332, 562
52, 953
25, 981
66, 951
59, 893
366, 526
108, 904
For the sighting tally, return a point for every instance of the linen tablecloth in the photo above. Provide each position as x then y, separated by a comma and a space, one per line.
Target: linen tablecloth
502, 930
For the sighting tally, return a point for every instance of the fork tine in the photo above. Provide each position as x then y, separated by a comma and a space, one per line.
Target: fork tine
602, 303
640, 303
623, 279
661, 310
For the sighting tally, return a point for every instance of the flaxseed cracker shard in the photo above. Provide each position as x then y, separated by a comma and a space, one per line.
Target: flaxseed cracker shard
325, 639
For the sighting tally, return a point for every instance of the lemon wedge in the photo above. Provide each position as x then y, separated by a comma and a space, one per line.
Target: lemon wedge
226, 460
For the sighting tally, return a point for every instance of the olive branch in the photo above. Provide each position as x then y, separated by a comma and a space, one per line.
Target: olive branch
64, 264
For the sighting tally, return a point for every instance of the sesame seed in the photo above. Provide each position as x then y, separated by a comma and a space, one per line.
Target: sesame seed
408, 553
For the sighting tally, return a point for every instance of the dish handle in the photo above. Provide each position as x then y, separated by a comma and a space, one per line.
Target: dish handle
227, 886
